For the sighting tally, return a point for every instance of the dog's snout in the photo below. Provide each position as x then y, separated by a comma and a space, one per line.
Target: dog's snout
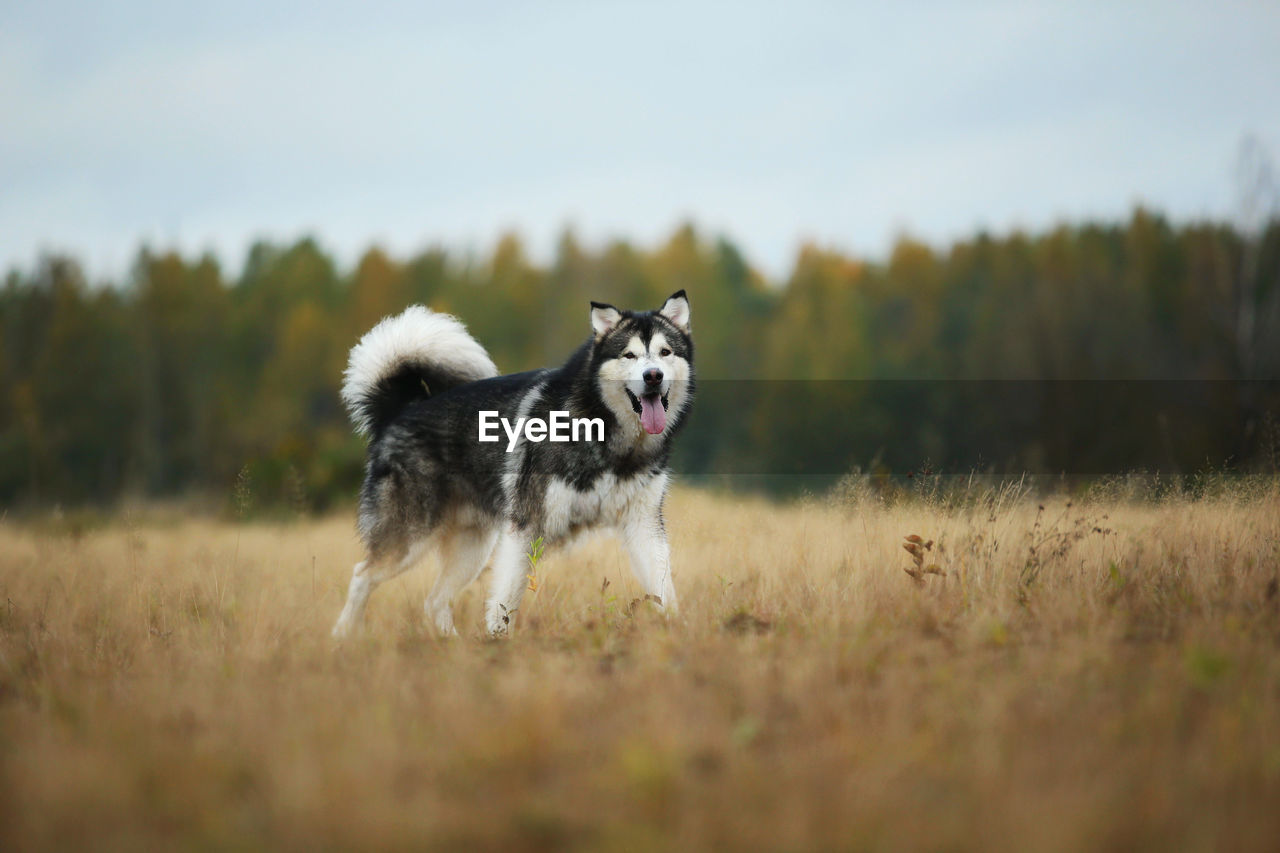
653, 376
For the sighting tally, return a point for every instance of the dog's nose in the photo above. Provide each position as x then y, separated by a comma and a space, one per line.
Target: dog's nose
652, 377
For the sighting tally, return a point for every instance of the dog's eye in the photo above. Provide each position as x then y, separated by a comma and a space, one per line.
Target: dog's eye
628, 355
665, 352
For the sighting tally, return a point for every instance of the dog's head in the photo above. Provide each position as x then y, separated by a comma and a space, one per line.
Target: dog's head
644, 363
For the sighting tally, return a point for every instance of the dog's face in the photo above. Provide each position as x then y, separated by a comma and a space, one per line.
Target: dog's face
644, 363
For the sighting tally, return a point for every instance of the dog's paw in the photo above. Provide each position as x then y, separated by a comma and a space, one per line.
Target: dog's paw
498, 621
442, 618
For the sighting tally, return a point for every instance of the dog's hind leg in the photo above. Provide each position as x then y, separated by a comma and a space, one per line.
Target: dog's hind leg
365, 578
357, 596
463, 555
509, 579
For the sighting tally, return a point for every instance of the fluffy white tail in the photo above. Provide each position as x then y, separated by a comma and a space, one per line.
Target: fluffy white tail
411, 355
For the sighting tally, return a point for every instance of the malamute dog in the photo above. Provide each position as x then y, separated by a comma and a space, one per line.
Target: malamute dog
425, 392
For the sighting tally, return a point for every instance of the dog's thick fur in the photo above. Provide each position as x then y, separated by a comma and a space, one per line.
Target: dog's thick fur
416, 384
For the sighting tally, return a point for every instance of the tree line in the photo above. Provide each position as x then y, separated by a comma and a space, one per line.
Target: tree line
1082, 348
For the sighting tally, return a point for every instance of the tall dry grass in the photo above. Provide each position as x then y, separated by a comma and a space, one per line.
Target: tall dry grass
1100, 675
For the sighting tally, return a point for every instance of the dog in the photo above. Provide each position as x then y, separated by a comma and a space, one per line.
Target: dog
447, 469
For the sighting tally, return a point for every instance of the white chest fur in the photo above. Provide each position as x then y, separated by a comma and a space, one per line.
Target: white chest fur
610, 502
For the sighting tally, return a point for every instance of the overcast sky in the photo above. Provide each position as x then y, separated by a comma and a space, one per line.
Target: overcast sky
203, 126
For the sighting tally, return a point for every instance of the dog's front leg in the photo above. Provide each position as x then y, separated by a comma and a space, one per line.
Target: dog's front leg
509, 580
645, 536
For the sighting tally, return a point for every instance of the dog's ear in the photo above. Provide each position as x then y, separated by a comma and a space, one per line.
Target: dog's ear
603, 318
676, 309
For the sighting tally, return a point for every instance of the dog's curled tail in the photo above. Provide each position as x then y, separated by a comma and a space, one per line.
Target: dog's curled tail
409, 356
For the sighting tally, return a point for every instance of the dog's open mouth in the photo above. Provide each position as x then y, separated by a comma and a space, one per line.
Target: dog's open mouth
652, 409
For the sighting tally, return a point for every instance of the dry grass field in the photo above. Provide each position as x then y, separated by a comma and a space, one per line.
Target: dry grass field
1089, 676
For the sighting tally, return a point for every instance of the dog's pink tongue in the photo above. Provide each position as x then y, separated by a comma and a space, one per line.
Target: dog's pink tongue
652, 416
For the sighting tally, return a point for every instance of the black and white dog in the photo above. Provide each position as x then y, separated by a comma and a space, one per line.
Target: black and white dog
469, 461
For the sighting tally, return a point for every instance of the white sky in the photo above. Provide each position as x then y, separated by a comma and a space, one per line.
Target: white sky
204, 126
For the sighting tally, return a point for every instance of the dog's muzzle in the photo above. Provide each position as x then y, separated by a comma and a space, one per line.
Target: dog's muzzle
651, 406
